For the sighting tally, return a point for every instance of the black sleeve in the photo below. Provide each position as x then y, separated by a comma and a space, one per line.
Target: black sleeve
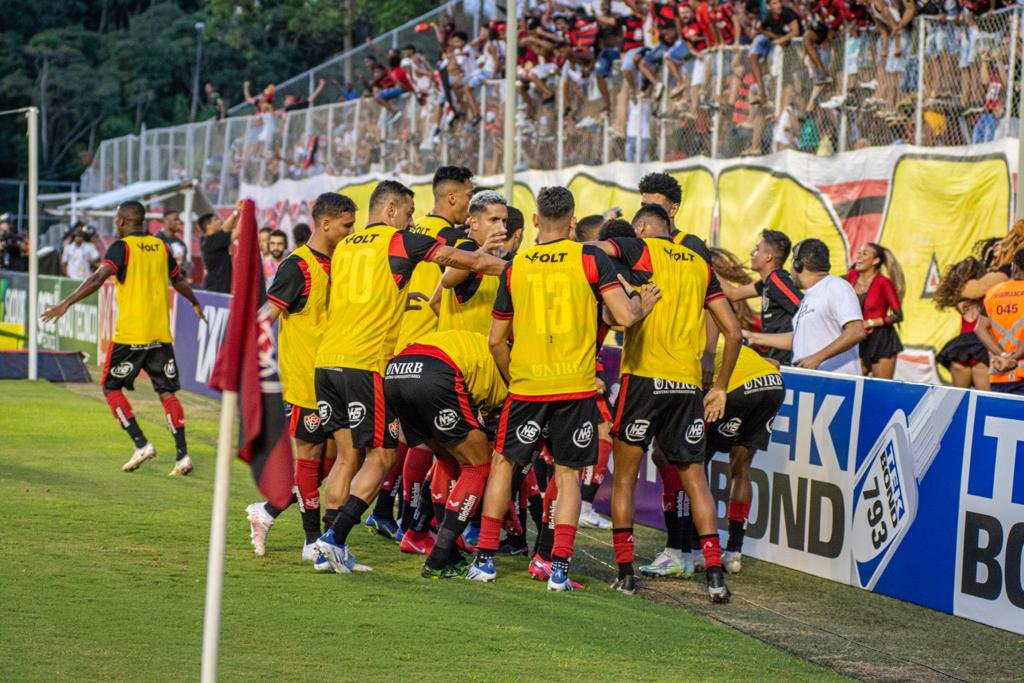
465, 290
452, 236
714, 288
116, 257
419, 247
290, 289
503, 300
783, 293
602, 271
759, 287
628, 250
408, 249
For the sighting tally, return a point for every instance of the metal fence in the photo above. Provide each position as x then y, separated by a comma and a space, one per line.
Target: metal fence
939, 83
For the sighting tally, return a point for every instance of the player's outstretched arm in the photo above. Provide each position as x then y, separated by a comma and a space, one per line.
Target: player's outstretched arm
476, 261
88, 286
181, 285
737, 293
778, 340
727, 323
853, 334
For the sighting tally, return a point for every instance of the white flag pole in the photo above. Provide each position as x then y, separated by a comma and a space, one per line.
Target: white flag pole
218, 536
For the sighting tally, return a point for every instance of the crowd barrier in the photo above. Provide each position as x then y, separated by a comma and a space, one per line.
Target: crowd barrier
910, 490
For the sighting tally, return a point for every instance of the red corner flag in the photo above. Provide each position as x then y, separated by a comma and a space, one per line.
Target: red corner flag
247, 364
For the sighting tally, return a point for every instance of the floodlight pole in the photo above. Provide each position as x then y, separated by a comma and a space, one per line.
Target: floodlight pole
32, 115
511, 57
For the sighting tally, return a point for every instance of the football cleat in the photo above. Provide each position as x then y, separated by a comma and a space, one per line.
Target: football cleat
482, 570
559, 581
141, 455
717, 590
540, 568
338, 556
590, 518
320, 562
449, 572
732, 561
417, 542
182, 467
667, 565
472, 534
465, 546
260, 522
514, 545
626, 584
309, 551
385, 528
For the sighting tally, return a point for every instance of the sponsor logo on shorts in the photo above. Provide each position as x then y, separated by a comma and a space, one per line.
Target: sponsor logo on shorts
287, 409
769, 423
324, 410
584, 435
730, 428
403, 369
122, 370
446, 420
762, 383
393, 428
311, 421
356, 413
170, 369
670, 387
695, 432
637, 430
528, 432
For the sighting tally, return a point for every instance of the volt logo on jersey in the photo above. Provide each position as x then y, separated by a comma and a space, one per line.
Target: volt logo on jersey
547, 258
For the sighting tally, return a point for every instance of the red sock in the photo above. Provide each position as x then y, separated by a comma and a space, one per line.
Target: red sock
490, 534
469, 490
120, 407
622, 541
391, 476
604, 452
550, 499
307, 480
175, 413
446, 471
414, 471
326, 465
738, 512
565, 537
712, 550
671, 485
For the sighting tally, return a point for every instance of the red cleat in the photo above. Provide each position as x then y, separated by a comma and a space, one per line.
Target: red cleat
417, 542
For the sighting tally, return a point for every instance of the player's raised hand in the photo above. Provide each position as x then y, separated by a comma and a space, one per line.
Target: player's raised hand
53, 313
650, 294
413, 302
714, 404
494, 242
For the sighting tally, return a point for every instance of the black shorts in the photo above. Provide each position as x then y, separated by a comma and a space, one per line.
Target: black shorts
749, 411
568, 428
779, 355
126, 361
671, 412
305, 424
352, 399
430, 399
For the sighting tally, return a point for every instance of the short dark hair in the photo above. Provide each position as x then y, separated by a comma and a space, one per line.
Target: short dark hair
388, 190
588, 227
811, 254
515, 220
460, 34
663, 184
653, 210
301, 233
555, 203
266, 229
453, 174
618, 227
410, 46
280, 233
394, 60
171, 212
332, 205
779, 243
205, 219
1018, 259
133, 212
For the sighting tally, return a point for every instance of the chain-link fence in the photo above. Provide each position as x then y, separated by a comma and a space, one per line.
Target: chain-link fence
936, 82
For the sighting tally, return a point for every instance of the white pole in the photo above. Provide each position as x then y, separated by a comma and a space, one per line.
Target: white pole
845, 92
218, 534
922, 26
511, 57
33, 242
190, 195
560, 123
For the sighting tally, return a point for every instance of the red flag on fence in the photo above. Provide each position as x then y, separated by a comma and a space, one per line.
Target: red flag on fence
247, 364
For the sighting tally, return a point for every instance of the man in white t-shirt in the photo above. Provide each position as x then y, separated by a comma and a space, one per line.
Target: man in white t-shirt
79, 256
829, 324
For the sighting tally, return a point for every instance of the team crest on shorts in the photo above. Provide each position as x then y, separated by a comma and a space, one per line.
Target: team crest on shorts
311, 421
393, 428
170, 369
637, 430
695, 432
769, 423
356, 413
122, 370
584, 435
527, 433
730, 428
446, 420
324, 410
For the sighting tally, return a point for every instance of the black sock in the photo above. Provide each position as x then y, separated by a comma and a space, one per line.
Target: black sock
736, 533
447, 537
275, 511
180, 446
330, 514
384, 508
515, 540
545, 542
625, 569
536, 506
518, 477
440, 514
588, 492
689, 534
423, 513
560, 563
135, 432
348, 516
311, 524
674, 528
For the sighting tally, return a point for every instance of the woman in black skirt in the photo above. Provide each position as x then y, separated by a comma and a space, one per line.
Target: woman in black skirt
881, 302
964, 355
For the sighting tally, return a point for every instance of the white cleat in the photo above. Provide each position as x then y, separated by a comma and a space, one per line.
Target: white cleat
182, 467
732, 561
669, 564
141, 455
589, 517
260, 522
309, 551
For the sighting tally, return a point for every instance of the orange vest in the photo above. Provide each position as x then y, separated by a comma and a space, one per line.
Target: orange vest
1004, 307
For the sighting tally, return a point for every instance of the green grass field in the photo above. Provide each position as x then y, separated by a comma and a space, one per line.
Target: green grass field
102, 577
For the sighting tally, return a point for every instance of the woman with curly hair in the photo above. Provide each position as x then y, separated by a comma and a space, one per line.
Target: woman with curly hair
727, 266
996, 254
881, 301
964, 355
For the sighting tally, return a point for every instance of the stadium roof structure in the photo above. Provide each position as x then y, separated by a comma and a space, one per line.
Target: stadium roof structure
180, 195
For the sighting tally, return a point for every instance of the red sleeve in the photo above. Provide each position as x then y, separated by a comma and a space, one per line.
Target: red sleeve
890, 297
844, 11
851, 276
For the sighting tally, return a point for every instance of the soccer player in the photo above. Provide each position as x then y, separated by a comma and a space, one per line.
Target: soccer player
661, 382
298, 296
370, 273
665, 191
142, 265
438, 386
545, 302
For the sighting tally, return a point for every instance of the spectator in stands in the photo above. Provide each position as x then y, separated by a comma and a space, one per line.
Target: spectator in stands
216, 248
1001, 330
828, 325
396, 84
13, 246
173, 227
996, 255
278, 248
780, 25
301, 233
295, 103
880, 299
264, 238
80, 256
827, 18
215, 102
